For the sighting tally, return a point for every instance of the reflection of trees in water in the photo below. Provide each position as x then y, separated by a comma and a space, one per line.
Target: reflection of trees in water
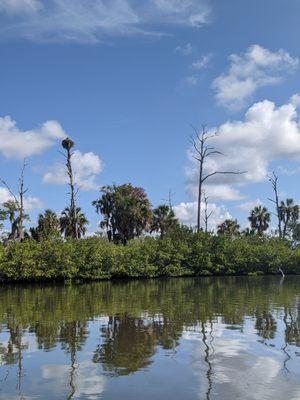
12, 353
291, 319
208, 349
72, 336
265, 325
131, 337
128, 345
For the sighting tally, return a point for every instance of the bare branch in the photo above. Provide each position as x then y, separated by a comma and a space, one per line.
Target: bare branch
214, 152
223, 173
10, 191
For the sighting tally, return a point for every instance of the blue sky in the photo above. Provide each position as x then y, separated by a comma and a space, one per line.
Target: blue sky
126, 79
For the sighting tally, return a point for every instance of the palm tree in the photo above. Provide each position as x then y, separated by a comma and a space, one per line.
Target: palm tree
229, 227
68, 220
289, 214
11, 207
163, 219
259, 219
48, 226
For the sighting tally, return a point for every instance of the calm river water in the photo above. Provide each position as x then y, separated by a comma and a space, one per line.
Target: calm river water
177, 339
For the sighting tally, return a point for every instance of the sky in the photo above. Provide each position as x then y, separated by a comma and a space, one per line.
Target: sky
127, 80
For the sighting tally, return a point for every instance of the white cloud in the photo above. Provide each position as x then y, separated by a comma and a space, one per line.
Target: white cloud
90, 384
295, 100
183, 12
255, 68
202, 62
266, 135
30, 202
15, 143
4, 195
187, 214
86, 166
91, 20
288, 171
249, 205
185, 50
19, 6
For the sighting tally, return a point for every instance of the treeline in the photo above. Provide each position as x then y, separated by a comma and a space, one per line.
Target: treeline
137, 240
127, 213
179, 253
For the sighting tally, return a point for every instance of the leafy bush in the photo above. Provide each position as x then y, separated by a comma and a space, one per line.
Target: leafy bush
179, 253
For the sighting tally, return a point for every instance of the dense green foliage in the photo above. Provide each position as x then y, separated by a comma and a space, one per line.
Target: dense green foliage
178, 253
126, 212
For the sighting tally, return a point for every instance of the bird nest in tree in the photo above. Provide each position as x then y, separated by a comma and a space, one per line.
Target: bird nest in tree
67, 144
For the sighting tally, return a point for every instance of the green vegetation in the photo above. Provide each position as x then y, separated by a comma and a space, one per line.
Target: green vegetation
179, 253
139, 241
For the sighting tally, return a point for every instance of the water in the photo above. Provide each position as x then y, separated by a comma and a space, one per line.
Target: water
179, 339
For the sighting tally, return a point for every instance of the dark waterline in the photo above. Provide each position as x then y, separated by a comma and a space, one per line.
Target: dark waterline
186, 338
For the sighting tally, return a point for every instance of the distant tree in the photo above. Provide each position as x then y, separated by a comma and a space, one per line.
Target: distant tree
273, 179
3, 216
289, 214
15, 208
248, 232
296, 234
48, 226
207, 214
202, 151
229, 227
259, 219
67, 223
163, 220
126, 212
10, 208
73, 220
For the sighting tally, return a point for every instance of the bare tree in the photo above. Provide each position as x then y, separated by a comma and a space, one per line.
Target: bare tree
273, 179
168, 200
207, 214
17, 231
202, 151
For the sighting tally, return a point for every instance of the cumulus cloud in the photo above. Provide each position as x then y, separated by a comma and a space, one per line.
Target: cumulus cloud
15, 143
91, 20
249, 205
255, 68
267, 134
30, 202
187, 214
86, 166
295, 100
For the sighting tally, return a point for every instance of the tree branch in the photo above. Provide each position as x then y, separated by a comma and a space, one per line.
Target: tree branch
222, 173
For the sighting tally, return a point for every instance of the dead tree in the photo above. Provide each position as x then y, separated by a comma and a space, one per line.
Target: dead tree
17, 232
207, 214
202, 151
67, 144
273, 179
